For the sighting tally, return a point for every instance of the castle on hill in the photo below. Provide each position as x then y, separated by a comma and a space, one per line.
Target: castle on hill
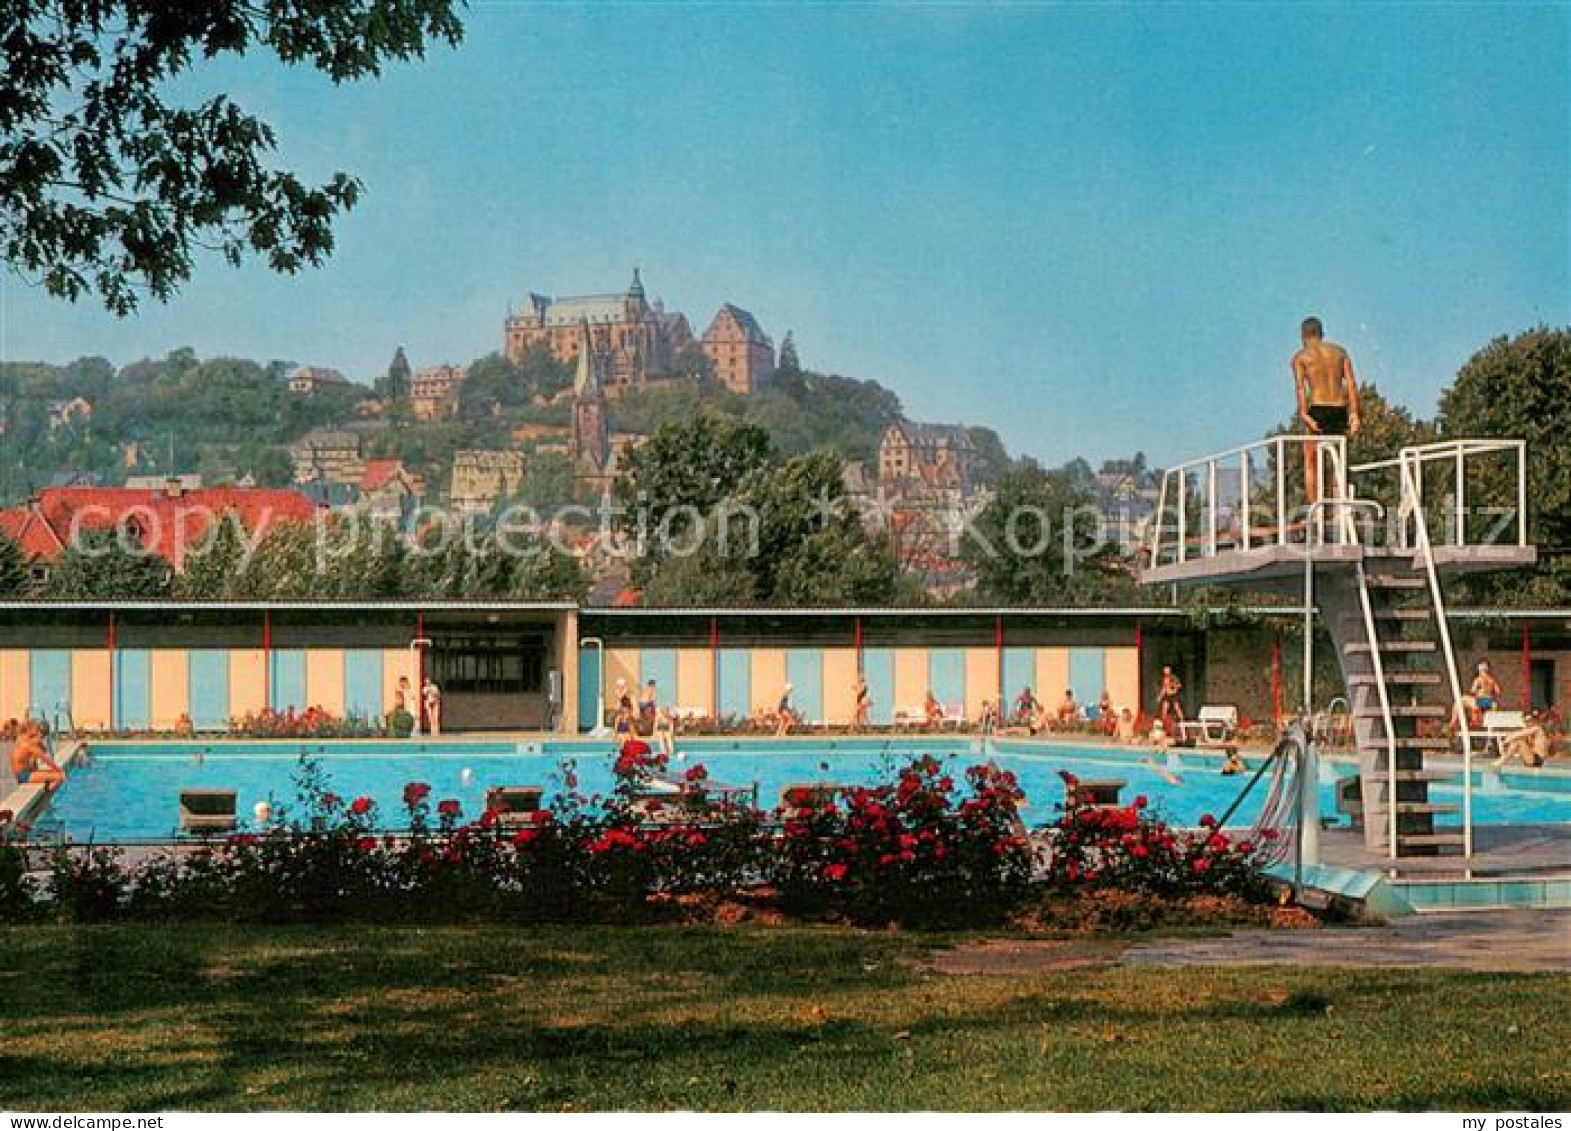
637, 341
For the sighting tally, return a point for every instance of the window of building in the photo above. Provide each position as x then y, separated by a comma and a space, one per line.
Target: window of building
488, 665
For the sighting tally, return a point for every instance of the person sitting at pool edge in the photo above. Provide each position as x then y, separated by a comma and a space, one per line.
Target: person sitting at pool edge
1068, 709
30, 761
933, 710
1025, 708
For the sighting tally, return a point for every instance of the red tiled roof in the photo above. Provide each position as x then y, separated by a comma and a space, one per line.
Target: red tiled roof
379, 473
171, 523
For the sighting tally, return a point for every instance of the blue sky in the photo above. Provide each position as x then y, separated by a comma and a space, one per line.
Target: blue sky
1093, 228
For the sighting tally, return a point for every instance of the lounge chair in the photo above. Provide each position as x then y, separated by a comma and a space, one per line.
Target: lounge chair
954, 716
1212, 727
207, 811
514, 805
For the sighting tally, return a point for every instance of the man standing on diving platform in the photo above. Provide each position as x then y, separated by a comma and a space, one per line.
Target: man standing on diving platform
1327, 396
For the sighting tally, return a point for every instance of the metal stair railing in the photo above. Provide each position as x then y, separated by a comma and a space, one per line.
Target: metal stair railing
1349, 534
1409, 470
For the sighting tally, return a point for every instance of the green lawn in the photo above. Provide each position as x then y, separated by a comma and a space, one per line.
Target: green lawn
137, 1018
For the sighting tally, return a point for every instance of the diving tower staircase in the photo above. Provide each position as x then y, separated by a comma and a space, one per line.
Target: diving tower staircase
1370, 558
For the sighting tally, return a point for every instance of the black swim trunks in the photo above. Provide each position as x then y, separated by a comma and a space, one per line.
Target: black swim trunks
1332, 418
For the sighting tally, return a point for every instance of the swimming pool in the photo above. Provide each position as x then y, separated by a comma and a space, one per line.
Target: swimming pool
129, 791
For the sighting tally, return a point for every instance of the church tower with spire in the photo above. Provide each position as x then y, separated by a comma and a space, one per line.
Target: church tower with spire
590, 441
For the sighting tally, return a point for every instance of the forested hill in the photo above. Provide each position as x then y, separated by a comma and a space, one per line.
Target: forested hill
231, 417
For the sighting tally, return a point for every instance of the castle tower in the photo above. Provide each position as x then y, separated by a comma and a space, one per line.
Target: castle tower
590, 441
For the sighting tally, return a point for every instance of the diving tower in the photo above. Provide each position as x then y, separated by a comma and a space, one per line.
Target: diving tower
1370, 558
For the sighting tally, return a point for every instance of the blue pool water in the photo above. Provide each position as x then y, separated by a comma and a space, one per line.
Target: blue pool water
129, 792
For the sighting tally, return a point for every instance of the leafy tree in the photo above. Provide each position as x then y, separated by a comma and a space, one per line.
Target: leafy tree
992, 458
107, 187
492, 382
213, 572
541, 374
98, 567
806, 547
706, 577
684, 471
284, 566
788, 361
1520, 388
692, 362
16, 580
1017, 547
394, 384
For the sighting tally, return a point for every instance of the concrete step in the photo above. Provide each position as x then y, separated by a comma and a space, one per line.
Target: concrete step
1361, 647
1404, 711
1379, 807
1395, 679
1394, 581
1422, 775
1402, 612
1430, 840
1377, 745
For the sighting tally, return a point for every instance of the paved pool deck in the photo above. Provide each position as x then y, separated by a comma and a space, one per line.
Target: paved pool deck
1516, 941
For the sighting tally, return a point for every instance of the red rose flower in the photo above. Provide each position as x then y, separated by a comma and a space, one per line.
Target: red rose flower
449, 808
361, 806
416, 792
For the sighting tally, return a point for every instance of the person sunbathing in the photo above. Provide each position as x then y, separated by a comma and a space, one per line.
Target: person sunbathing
1126, 726
1530, 746
30, 761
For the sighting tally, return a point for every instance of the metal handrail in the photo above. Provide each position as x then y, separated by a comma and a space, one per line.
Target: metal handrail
1175, 485
1426, 553
1456, 452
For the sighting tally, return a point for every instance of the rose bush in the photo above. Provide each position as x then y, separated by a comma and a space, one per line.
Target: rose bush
932, 846
917, 850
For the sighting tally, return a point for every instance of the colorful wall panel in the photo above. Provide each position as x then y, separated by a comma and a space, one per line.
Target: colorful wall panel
208, 675
695, 680
1087, 675
1123, 678
1019, 673
169, 696
324, 680
621, 666
658, 664
878, 668
839, 685
981, 679
1052, 675
946, 675
133, 691
590, 704
911, 680
247, 672
91, 675
805, 673
49, 684
286, 680
768, 678
735, 677
363, 683
15, 683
